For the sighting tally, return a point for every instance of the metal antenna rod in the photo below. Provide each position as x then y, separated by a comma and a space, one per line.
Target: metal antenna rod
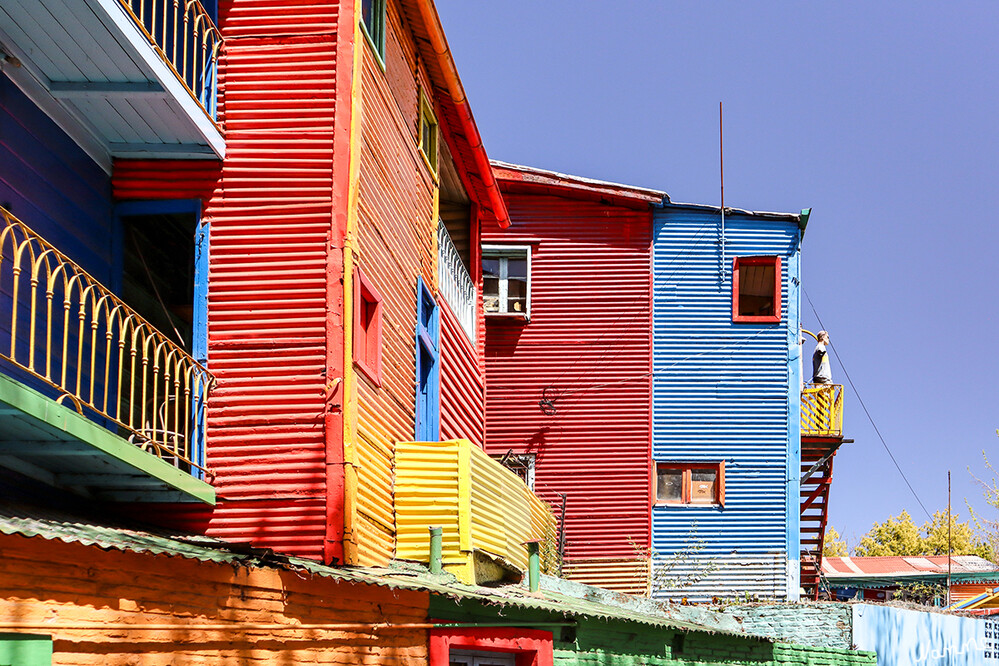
721, 164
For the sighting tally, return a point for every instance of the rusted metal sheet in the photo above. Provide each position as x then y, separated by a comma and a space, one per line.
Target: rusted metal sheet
271, 218
396, 230
621, 575
586, 351
462, 382
481, 506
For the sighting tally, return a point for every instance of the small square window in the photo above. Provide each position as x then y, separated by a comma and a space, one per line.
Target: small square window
756, 290
367, 328
506, 280
373, 22
428, 132
690, 483
521, 464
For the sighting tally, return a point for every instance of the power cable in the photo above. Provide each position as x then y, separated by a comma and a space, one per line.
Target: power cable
866, 411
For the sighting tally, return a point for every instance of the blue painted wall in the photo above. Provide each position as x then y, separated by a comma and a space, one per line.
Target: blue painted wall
51, 185
904, 637
728, 392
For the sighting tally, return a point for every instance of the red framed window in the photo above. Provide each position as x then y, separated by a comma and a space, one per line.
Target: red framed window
698, 484
472, 646
756, 285
367, 328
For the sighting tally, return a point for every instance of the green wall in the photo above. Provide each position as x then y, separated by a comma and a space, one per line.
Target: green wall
595, 642
25, 650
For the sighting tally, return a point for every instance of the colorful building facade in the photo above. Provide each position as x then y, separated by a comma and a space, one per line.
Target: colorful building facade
651, 384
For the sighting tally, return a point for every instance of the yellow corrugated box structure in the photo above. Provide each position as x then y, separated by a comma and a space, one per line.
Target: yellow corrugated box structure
482, 507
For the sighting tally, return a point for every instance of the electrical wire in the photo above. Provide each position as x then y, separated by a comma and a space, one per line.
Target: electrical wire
866, 411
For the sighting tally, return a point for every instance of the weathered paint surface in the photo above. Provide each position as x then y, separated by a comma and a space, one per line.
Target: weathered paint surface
480, 505
588, 343
729, 392
395, 246
270, 209
593, 642
51, 582
903, 637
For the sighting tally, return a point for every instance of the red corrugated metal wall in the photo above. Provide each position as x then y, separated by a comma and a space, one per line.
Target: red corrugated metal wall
589, 338
271, 221
462, 383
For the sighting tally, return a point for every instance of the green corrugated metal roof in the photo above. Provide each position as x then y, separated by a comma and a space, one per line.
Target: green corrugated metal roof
571, 601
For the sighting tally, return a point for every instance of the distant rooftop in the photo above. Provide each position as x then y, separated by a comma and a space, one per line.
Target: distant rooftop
963, 567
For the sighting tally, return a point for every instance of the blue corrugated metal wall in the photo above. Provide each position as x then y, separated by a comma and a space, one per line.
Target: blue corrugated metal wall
726, 392
52, 185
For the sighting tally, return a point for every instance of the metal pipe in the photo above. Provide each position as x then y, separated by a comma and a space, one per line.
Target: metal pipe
436, 543
533, 566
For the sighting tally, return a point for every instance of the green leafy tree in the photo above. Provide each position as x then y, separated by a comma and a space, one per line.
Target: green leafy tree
834, 545
896, 536
900, 536
964, 538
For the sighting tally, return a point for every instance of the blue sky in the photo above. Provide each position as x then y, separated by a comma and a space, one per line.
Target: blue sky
881, 116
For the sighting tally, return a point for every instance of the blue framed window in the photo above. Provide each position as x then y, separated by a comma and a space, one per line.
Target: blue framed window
428, 392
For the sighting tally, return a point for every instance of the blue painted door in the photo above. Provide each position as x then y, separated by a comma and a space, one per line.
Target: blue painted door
428, 391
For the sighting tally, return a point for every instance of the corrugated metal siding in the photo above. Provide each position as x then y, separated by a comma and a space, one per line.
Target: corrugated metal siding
721, 394
396, 233
630, 576
271, 215
588, 334
51, 185
462, 383
480, 505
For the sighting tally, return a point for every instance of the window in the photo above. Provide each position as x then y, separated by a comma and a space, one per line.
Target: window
521, 464
367, 328
373, 22
506, 280
472, 658
756, 290
428, 132
690, 483
428, 371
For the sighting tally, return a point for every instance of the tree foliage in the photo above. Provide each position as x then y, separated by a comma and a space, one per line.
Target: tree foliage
834, 545
900, 536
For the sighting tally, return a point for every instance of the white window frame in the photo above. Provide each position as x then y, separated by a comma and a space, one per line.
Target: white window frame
503, 253
525, 461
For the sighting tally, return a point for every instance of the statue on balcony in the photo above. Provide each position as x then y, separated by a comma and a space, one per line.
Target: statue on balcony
821, 369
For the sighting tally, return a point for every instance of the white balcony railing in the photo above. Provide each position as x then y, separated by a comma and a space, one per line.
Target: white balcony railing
455, 283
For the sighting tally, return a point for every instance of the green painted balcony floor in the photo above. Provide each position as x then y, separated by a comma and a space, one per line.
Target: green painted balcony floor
52, 443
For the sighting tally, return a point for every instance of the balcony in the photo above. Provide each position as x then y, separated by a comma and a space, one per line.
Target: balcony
822, 410
125, 78
93, 399
455, 283
486, 512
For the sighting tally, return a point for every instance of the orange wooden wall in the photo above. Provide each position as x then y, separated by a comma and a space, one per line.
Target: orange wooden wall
60, 584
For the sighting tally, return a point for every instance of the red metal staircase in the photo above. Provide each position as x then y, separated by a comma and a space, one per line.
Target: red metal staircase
817, 455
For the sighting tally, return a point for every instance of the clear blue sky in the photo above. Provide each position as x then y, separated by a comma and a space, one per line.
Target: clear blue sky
881, 116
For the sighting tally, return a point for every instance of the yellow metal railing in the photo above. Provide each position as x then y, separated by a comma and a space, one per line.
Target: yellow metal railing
822, 410
186, 39
65, 328
480, 504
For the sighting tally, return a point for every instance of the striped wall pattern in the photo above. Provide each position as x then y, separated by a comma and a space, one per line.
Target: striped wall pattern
396, 235
723, 392
589, 340
270, 208
462, 382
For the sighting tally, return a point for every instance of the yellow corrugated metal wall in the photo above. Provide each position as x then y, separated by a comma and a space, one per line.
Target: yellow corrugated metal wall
395, 245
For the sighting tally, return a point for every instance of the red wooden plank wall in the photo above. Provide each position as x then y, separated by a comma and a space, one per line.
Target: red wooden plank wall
589, 331
462, 383
271, 216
